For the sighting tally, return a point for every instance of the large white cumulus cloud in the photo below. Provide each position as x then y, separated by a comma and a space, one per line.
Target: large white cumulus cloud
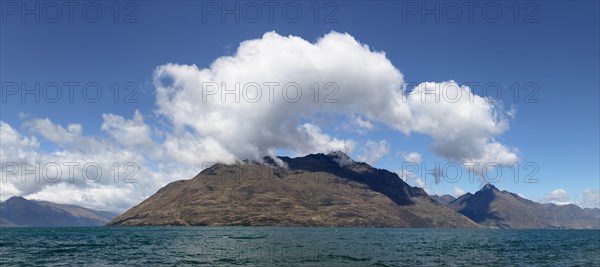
255, 125
338, 78
462, 124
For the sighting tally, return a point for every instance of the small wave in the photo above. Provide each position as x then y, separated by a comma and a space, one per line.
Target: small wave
192, 262
247, 237
233, 261
346, 257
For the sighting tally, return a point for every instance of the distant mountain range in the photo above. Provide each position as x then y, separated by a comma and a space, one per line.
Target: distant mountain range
443, 199
315, 190
502, 209
18, 211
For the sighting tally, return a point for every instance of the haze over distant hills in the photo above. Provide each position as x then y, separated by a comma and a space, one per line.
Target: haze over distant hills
594, 212
334, 190
18, 211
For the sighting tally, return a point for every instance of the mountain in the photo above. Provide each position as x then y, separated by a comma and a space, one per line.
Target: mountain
443, 199
315, 190
492, 207
18, 211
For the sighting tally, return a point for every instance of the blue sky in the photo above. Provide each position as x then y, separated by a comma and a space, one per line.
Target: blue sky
553, 46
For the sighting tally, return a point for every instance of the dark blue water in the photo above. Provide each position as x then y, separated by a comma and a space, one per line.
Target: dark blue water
282, 246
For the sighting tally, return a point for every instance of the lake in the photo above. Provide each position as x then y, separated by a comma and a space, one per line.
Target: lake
289, 246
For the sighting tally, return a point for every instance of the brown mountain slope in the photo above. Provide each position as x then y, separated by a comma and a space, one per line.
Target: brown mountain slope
332, 194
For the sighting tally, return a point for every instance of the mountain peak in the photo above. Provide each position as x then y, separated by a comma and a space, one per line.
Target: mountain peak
341, 158
16, 198
337, 153
489, 187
